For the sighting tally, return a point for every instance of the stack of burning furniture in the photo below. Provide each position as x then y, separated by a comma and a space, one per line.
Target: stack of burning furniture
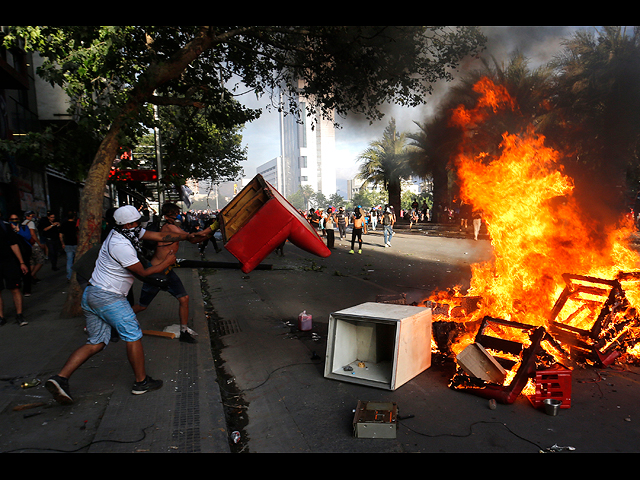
497, 367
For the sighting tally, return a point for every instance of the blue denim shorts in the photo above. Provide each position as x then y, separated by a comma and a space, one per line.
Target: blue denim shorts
104, 310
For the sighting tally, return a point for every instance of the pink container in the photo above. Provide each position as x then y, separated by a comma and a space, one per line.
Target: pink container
305, 322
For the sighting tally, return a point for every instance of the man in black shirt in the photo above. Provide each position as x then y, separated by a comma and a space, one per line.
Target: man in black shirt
69, 240
12, 267
51, 231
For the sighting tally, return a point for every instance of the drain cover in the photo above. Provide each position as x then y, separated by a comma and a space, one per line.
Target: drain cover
226, 327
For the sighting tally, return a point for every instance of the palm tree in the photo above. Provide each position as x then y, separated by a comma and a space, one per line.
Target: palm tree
598, 103
385, 162
436, 143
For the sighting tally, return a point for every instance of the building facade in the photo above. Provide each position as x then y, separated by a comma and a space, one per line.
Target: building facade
307, 151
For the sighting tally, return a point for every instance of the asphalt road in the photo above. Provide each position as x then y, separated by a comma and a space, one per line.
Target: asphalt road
281, 401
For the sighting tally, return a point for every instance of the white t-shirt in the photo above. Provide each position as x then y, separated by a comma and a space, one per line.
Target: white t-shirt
110, 272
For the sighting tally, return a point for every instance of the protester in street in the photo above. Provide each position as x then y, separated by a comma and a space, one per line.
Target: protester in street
207, 221
466, 211
25, 249
170, 211
413, 217
105, 305
37, 247
387, 225
320, 214
477, 222
12, 267
50, 228
341, 218
314, 219
329, 225
69, 240
374, 218
359, 227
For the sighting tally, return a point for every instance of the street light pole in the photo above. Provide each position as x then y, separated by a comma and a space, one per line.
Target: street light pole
156, 130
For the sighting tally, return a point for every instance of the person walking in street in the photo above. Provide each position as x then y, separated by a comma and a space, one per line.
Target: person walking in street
207, 222
50, 228
477, 223
359, 227
105, 305
387, 225
341, 218
25, 249
329, 226
12, 266
69, 240
37, 247
374, 218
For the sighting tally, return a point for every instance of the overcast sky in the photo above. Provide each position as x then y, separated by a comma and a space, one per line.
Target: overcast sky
261, 137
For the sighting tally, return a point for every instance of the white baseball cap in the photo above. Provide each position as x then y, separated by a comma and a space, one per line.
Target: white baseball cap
126, 214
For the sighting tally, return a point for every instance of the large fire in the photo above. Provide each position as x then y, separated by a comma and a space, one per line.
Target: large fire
538, 236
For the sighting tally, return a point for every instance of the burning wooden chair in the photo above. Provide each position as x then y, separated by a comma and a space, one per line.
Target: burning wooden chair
593, 317
521, 356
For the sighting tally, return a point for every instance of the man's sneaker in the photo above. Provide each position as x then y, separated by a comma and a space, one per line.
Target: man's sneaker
360, 251
20, 320
147, 385
350, 251
59, 388
187, 337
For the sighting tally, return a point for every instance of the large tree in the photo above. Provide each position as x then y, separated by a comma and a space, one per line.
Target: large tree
117, 71
597, 115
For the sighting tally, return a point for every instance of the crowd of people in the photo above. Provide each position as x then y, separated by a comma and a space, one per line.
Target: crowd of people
360, 219
26, 244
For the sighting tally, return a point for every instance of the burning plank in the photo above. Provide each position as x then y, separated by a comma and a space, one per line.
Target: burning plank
479, 363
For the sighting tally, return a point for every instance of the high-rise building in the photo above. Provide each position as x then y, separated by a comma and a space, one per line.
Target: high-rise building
307, 151
272, 172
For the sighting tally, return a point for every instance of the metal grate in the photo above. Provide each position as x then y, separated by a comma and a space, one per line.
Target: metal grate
186, 420
224, 327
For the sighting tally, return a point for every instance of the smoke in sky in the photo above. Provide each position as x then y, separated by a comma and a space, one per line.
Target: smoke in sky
539, 44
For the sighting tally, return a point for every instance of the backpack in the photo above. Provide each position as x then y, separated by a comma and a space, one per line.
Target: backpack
149, 246
386, 219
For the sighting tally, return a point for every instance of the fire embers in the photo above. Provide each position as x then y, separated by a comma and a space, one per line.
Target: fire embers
591, 323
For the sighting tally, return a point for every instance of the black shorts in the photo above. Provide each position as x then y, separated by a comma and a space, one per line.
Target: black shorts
10, 274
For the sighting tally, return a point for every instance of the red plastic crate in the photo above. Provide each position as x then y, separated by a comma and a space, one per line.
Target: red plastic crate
554, 383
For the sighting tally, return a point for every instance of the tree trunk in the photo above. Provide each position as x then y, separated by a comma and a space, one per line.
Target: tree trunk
395, 194
91, 207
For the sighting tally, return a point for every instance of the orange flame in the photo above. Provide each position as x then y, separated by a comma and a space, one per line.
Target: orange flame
534, 222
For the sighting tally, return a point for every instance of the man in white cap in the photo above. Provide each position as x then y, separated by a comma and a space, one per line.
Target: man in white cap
105, 304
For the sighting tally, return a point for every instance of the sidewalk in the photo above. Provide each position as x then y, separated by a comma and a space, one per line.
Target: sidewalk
184, 416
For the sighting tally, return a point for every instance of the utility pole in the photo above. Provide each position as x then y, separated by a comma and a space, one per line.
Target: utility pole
156, 131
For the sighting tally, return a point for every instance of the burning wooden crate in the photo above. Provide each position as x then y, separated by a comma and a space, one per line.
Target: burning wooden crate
519, 358
592, 318
259, 219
